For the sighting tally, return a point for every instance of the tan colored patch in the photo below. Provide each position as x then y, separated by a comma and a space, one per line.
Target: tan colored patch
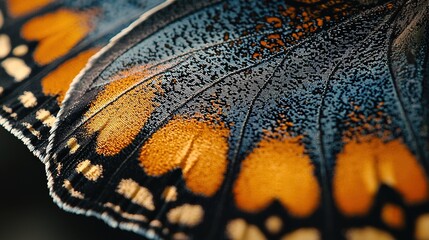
186, 214
155, 223
117, 116
76, 194
18, 8
422, 227
1, 19
118, 209
180, 236
170, 194
16, 68
1, 90
238, 229
364, 165
4, 45
58, 81
303, 234
136, 193
278, 169
90, 171
57, 33
274, 224
199, 148
393, 215
73, 145
45, 117
367, 233
20, 50
28, 99
32, 130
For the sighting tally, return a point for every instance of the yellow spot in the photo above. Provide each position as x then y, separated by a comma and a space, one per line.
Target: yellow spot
20, 50
76, 194
170, 194
123, 115
4, 45
58, 81
73, 145
422, 227
393, 215
238, 229
136, 193
367, 233
16, 68
303, 234
274, 224
90, 171
364, 165
278, 169
32, 130
18, 8
45, 117
187, 215
118, 209
57, 33
199, 148
28, 99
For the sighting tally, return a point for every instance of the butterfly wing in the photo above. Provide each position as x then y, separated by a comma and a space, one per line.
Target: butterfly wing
44, 45
240, 119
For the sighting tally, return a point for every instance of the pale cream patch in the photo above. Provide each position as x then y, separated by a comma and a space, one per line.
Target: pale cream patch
10, 111
73, 145
303, 234
238, 229
274, 224
118, 209
90, 171
170, 194
136, 193
20, 50
67, 185
16, 68
155, 223
187, 215
27, 99
32, 130
4, 45
1, 90
59, 168
45, 117
367, 233
422, 227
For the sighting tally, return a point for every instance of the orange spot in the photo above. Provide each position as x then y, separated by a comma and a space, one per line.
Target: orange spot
18, 8
57, 33
393, 215
199, 148
123, 113
278, 169
277, 22
364, 165
57, 82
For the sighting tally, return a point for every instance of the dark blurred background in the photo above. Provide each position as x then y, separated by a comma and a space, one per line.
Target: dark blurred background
27, 212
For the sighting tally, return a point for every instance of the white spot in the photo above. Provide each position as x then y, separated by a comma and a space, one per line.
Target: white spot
90, 171
67, 185
303, 234
170, 194
45, 117
187, 215
367, 233
73, 145
4, 45
28, 99
136, 193
16, 68
32, 130
20, 50
422, 227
